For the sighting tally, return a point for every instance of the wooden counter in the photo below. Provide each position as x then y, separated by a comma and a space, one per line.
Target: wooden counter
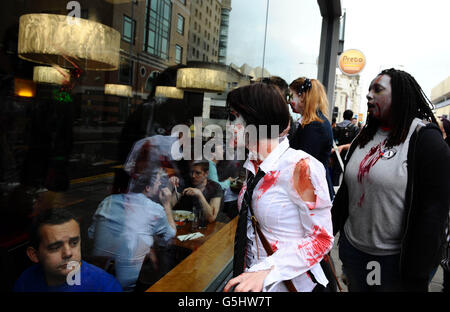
198, 270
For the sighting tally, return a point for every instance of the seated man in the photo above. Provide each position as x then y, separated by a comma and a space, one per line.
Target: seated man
55, 248
124, 225
203, 193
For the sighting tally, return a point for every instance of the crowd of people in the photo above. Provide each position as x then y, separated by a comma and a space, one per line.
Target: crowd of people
392, 205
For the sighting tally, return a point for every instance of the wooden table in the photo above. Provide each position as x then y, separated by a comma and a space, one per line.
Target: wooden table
211, 255
193, 244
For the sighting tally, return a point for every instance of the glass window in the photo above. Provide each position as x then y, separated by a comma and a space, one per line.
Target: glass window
63, 142
128, 31
178, 54
126, 71
180, 24
157, 28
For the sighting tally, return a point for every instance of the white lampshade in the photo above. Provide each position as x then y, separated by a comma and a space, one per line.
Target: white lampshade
120, 90
201, 79
53, 39
169, 92
46, 74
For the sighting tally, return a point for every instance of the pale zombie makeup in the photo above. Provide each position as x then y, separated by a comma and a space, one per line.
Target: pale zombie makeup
236, 124
379, 99
295, 102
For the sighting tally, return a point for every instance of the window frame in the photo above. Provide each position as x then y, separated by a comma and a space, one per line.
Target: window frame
129, 20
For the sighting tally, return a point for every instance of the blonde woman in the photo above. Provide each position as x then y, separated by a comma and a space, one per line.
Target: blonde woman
313, 135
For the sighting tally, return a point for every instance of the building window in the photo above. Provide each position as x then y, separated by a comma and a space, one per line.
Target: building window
126, 71
180, 24
157, 28
178, 54
128, 29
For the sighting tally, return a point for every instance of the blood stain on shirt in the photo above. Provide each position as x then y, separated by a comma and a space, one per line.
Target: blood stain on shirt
274, 246
302, 181
269, 180
317, 245
361, 200
369, 161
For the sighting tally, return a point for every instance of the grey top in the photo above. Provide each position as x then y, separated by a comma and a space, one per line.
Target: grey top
377, 179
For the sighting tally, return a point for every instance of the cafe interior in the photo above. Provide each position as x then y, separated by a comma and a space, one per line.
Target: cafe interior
81, 82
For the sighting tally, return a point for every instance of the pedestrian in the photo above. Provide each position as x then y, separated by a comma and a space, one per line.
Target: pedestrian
445, 263
284, 227
392, 206
343, 135
313, 135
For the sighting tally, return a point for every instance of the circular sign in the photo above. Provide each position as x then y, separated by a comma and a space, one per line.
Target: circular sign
351, 62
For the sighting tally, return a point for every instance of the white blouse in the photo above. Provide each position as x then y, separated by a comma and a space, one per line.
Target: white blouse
300, 233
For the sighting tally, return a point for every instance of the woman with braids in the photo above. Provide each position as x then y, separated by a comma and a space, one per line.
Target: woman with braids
392, 206
313, 135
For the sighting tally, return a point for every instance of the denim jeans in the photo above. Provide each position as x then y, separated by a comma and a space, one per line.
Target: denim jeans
363, 279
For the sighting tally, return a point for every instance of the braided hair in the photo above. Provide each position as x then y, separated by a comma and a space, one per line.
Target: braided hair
408, 102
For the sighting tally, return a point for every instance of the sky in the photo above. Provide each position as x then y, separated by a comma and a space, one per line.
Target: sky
411, 35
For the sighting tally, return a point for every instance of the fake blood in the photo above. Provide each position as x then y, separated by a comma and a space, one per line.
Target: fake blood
274, 246
318, 246
269, 180
369, 161
302, 181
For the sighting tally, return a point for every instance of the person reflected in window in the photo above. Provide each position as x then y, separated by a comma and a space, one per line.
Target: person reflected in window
392, 206
124, 225
203, 193
230, 197
55, 248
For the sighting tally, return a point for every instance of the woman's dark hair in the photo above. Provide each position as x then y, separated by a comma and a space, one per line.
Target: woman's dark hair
260, 104
408, 102
52, 216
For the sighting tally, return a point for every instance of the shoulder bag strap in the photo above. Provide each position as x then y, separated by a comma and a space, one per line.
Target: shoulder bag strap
289, 285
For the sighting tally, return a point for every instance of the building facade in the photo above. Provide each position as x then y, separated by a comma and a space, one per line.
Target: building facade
347, 95
204, 30
440, 97
224, 24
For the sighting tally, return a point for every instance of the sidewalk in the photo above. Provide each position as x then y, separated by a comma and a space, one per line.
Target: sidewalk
435, 285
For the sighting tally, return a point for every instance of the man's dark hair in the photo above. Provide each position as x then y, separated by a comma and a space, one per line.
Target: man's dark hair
121, 181
348, 114
408, 102
204, 164
147, 178
52, 216
279, 82
260, 104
